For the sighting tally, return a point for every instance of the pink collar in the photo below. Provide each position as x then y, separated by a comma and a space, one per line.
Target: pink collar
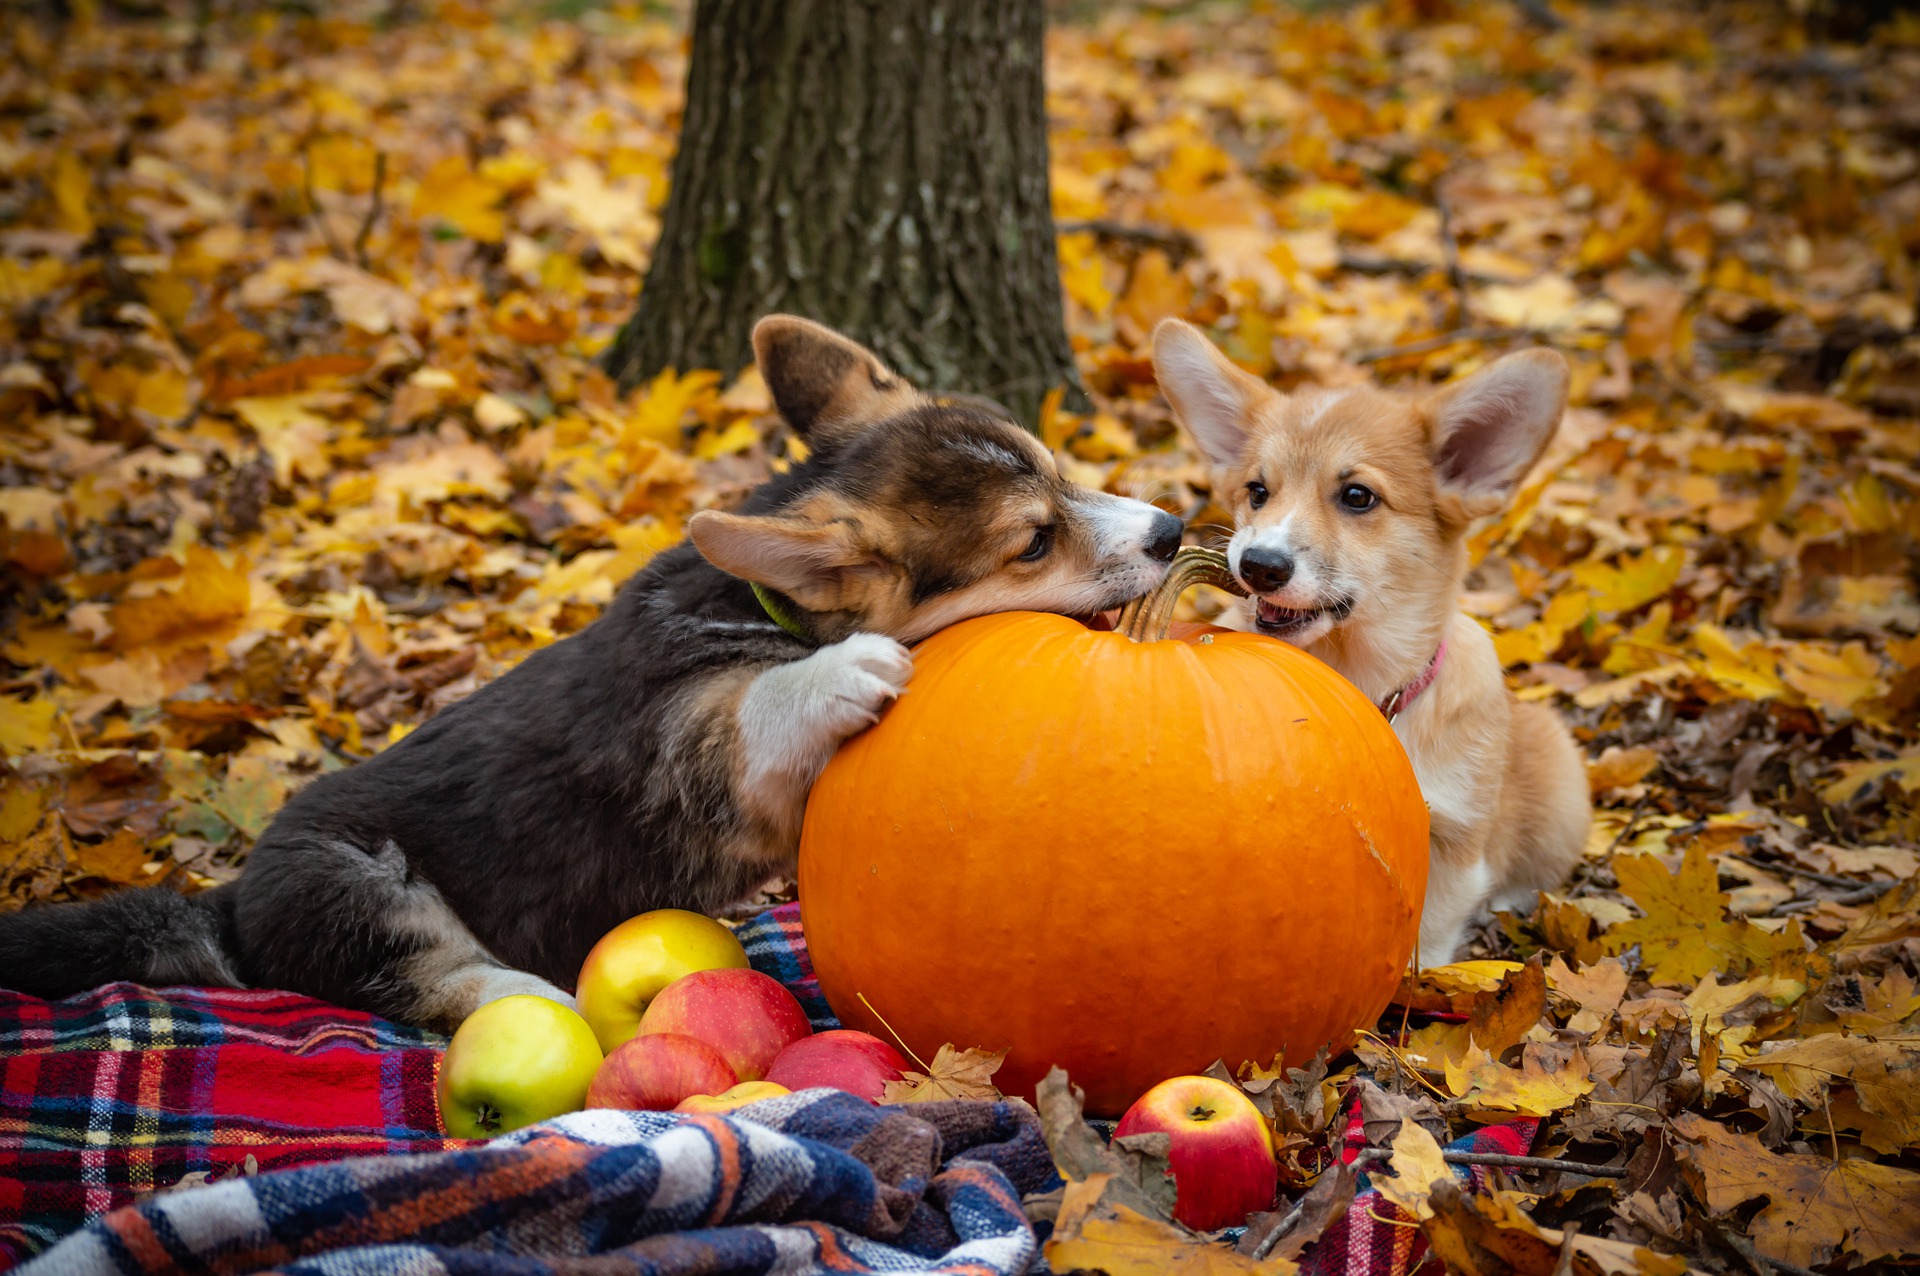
1396, 704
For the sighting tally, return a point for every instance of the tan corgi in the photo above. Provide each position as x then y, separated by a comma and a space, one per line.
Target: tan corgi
1351, 510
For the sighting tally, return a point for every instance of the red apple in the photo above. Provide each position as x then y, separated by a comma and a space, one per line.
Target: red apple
1221, 1153
745, 1015
727, 1100
856, 1062
655, 1072
642, 955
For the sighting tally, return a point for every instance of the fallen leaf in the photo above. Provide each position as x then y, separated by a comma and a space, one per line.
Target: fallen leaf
953, 1074
1816, 1207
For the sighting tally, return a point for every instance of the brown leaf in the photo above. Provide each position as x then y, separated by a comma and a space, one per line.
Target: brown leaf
1816, 1207
1136, 1168
1324, 1205
953, 1074
1095, 1234
121, 859
1505, 1017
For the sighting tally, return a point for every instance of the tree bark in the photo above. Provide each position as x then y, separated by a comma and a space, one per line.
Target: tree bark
877, 165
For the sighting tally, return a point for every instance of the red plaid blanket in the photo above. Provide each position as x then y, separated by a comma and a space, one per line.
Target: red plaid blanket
117, 1093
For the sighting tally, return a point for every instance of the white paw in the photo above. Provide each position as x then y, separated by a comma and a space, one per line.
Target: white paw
512, 983
794, 716
857, 678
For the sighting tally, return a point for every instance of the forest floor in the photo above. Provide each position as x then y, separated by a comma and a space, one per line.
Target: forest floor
304, 440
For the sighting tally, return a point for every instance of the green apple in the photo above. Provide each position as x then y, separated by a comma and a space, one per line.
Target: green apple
515, 1061
635, 960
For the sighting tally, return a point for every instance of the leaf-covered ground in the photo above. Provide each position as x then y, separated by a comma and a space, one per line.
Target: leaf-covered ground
303, 440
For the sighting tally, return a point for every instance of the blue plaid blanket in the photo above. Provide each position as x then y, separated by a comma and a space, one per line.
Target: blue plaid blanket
812, 1182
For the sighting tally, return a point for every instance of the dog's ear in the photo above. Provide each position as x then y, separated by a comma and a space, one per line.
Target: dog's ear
821, 566
1489, 429
826, 385
1211, 396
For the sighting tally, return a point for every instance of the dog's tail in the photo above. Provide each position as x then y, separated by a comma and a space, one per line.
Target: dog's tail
151, 936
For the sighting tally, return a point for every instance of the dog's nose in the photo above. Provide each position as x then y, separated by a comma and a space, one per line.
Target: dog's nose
1266, 571
1163, 538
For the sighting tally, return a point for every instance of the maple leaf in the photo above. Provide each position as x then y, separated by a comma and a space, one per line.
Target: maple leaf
1597, 989
1547, 1080
953, 1074
1816, 1206
1685, 932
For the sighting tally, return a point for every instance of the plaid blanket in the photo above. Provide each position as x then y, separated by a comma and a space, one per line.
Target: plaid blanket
109, 1097
121, 1092
814, 1182
1377, 1237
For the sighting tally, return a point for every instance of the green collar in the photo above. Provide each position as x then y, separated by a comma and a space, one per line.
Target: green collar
778, 613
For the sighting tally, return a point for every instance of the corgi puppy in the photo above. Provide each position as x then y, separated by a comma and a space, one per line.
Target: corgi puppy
661, 757
1351, 510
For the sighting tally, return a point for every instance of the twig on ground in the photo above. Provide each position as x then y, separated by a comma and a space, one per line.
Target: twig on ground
1509, 1161
373, 210
1442, 340
1814, 875
1173, 241
317, 217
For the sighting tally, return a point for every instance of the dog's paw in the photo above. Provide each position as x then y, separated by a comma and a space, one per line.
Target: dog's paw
857, 678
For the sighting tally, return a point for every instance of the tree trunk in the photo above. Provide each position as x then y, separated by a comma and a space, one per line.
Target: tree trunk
877, 165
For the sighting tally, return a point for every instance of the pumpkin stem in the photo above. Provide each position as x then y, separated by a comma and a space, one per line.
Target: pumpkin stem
1148, 617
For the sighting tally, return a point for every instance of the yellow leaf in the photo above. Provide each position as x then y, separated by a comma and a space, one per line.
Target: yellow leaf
1855, 776
1634, 581
1749, 670
1156, 291
953, 1074
20, 805
1417, 1165
1685, 932
465, 200
1546, 1081
663, 406
738, 437
205, 601
1835, 681
26, 726
72, 187
1083, 272
290, 433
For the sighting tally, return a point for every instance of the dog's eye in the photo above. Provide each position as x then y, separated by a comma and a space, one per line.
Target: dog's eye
1358, 498
1037, 547
1256, 494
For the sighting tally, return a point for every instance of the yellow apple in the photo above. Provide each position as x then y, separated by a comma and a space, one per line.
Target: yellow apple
635, 960
515, 1061
736, 1097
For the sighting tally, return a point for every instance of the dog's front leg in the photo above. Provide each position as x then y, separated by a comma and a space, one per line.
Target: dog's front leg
794, 716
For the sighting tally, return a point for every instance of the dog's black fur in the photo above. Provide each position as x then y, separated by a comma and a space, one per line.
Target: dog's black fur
588, 784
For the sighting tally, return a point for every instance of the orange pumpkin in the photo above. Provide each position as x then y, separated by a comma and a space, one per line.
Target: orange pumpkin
1126, 858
